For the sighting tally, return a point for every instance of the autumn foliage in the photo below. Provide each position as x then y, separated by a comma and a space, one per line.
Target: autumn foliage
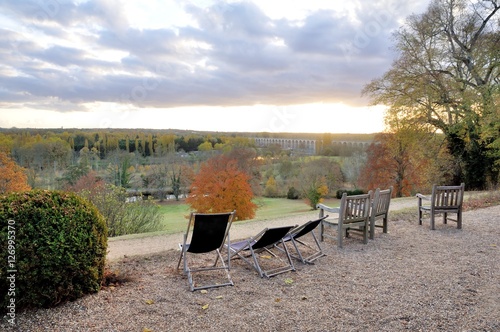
395, 160
12, 176
221, 186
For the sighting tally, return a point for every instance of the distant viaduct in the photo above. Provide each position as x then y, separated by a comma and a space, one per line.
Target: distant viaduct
306, 145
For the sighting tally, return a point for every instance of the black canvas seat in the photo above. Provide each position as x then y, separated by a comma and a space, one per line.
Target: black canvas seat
210, 234
263, 242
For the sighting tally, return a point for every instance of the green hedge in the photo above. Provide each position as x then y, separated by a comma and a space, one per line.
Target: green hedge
349, 192
59, 241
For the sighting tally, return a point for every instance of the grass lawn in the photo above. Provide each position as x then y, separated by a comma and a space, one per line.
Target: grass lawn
175, 214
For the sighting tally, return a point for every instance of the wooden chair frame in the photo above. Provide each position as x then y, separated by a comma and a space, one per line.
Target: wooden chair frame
444, 199
354, 213
380, 210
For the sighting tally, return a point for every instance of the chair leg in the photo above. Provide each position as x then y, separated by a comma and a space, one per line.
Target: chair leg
256, 263
321, 231
224, 267
419, 216
459, 219
299, 254
445, 218
180, 259
432, 221
365, 233
372, 228
384, 225
340, 235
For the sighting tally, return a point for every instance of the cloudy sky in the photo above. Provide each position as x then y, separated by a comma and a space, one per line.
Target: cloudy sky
260, 65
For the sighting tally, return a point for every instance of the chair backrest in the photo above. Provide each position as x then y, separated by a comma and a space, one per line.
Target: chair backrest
447, 197
306, 228
381, 202
209, 231
354, 208
271, 236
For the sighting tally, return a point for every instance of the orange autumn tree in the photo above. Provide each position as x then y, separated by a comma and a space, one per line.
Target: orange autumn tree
12, 176
221, 186
396, 159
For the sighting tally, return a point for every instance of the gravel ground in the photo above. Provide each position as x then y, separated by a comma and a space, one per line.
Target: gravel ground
409, 279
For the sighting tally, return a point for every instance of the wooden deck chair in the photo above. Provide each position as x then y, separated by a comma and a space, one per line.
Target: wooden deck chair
444, 199
263, 242
294, 237
353, 213
380, 210
209, 235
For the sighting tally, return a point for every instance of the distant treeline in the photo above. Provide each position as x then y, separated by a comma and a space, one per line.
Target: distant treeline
146, 142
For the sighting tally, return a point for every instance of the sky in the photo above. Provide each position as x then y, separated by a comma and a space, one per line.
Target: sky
244, 66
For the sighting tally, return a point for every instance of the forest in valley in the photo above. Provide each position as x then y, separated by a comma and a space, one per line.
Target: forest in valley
127, 172
158, 161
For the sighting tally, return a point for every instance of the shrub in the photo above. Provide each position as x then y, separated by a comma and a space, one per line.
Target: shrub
271, 189
121, 217
349, 192
314, 194
292, 193
59, 242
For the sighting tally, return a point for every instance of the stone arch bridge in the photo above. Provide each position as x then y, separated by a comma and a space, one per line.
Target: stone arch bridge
306, 145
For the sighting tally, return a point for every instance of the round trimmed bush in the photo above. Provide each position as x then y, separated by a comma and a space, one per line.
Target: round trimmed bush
55, 242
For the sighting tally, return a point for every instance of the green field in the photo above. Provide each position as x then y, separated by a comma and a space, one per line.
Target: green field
175, 214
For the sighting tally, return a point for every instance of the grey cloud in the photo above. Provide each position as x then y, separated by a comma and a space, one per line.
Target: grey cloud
321, 33
62, 56
243, 57
135, 41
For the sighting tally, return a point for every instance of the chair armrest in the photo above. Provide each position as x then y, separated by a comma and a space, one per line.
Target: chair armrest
423, 197
327, 208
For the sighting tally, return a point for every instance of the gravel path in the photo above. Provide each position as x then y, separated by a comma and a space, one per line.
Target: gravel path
411, 279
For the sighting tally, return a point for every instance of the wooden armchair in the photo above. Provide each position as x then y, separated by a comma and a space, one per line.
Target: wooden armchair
380, 210
353, 213
444, 199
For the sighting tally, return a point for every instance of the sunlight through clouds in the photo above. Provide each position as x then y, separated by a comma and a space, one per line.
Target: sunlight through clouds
195, 64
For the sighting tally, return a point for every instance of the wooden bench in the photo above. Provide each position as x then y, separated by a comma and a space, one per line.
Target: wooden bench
444, 199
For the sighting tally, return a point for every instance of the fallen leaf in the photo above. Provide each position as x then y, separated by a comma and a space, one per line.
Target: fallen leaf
203, 291
277, 299
266, 256
205, 307
149, 301
288, 281
146, 330
219, 297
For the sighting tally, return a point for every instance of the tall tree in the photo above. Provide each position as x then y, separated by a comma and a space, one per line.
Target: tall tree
447, 76
220, 186
12, 176
397, 159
